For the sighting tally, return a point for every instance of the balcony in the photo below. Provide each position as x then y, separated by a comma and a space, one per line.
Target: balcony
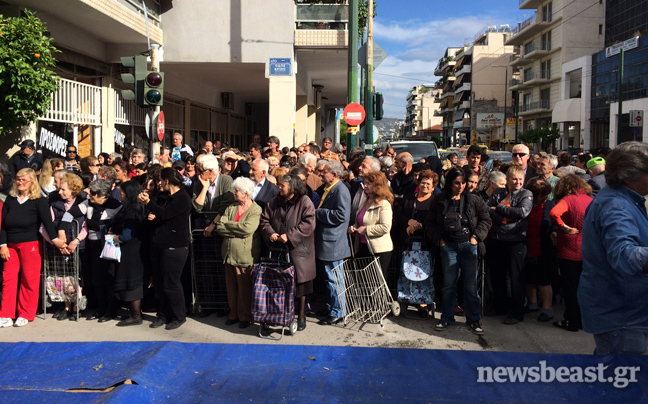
75, 102
531, 4
530, 27
464, 69
464, 87
530, 79
437, 112
447, 94
324, 25
537, 49
534, 107
444, 65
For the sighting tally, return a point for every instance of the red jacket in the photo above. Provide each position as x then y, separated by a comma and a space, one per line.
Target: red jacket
571, 211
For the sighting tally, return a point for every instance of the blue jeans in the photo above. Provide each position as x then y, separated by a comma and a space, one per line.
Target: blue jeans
453, 257
335, 303
624, 341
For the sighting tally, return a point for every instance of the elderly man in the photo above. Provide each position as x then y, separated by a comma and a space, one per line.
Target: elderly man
27, 156
207, 146
596, 168
264, 190
331, 245
521, 156
179, 150
308, 162
403, 181
614, 283
545, 168
212, 192
235, 165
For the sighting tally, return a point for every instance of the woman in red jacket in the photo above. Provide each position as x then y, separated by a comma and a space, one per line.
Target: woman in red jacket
574, 195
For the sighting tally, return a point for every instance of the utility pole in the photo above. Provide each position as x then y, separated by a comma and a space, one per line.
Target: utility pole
352, 83
369, 93
505, 94
619, 122
155, 66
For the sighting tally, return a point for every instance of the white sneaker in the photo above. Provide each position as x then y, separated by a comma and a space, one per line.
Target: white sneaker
6, 322
20, 322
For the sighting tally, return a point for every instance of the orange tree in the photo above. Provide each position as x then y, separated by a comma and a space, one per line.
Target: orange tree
26, 82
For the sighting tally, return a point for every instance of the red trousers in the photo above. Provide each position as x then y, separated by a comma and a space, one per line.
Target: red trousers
24, 260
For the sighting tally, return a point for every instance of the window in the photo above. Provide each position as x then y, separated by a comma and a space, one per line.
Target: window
528, 74
544, 98
600, 29
546, 41
546, 13
545, 69
527, 101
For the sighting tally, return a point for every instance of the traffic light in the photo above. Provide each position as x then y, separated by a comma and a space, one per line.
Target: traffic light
153, 89
134, 77
378, 106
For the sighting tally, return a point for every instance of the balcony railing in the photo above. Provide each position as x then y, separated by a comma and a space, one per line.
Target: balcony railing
321, 16
542, 104
76, 103
523, 25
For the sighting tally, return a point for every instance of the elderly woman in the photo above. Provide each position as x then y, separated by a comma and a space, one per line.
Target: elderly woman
540, 262
374, 220
169, 247
411, 213
496, 180
241, 249
23, 213
70, 195
457, 222
574, 195
289, 219
98, 210
273, 163
507, 241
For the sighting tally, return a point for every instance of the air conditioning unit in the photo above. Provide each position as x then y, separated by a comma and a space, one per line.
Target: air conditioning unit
227, 99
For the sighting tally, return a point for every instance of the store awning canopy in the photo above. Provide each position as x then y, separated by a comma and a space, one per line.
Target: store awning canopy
567, 111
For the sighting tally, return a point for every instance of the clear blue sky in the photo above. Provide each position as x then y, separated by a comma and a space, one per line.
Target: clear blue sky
415, 33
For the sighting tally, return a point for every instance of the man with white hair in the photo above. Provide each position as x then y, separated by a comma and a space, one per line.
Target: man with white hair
521, 156
235, 165
596, 167
403, 181
545, 167
264, 190
212, 193
179, 150
308, 162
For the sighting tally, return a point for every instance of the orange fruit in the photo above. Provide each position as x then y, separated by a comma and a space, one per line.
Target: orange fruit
37, 55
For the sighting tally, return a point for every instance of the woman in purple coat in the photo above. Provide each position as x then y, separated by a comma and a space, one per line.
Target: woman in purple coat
289, 219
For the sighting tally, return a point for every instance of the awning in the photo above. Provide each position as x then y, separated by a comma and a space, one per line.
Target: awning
459, 80
443, 104
567, 111
459, 114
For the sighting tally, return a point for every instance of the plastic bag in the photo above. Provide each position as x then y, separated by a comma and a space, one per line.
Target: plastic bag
111, 250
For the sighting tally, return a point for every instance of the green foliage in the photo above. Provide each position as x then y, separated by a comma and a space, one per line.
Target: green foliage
363, 14
26, 83
343, 131
544, 135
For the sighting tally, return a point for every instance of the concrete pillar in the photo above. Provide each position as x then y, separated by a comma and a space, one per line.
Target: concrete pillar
108, 113
313, 129
283, 94
186, 137
301, 120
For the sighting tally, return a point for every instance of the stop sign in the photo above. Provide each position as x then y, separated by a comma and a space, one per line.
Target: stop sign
354, 114
160, 126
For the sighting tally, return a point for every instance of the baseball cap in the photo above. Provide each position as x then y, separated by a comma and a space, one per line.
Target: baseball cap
27, 143
595, 161
178, 164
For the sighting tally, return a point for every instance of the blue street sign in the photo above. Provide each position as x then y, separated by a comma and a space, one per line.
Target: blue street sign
636, 131
280, 67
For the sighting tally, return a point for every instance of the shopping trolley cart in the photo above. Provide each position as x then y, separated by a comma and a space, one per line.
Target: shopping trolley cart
415, 284
274, 294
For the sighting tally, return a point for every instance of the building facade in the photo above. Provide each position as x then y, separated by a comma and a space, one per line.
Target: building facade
422, 102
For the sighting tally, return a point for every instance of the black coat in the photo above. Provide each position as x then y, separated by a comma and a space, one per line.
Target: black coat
267, 192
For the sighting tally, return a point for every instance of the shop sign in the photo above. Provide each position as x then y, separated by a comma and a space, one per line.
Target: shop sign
486, 121
52, 142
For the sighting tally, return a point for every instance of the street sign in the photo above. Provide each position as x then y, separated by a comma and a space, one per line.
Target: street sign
279, 67
636, 118
625, 45
636, 131
160, 126
354, 114
379, 55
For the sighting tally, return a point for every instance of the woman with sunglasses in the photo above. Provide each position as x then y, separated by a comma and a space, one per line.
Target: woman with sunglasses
23, 212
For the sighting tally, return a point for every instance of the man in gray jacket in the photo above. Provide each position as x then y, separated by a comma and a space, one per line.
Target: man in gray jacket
331, 244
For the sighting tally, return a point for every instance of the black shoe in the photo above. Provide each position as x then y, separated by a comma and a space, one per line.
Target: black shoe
511, 321
159, 322
73, 317
223, 313
544, 317
566, 325
244, 324
229, 321
126, 323
63, 315
94, 316
174, 324
329, 320
57, 314
105, 319
301, 324
205, 313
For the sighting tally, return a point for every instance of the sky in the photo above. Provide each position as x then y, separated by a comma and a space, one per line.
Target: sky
415, 34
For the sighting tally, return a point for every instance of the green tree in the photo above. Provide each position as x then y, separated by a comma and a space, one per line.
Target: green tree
26, 83
363, 14
544, 135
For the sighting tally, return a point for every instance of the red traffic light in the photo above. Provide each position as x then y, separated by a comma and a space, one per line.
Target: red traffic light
154, 79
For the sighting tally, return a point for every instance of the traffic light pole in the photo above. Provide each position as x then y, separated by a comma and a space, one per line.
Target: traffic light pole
155, 66
369, 95
352, 84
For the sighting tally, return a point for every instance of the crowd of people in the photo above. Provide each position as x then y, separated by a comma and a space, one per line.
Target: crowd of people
525, 221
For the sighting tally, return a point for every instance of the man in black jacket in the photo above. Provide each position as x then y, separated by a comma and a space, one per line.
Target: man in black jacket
403, 181
264, 190
25, 158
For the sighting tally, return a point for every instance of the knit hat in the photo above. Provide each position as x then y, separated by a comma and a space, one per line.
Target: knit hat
595, 161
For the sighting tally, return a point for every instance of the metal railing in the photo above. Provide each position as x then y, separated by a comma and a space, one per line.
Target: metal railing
523, 25
542, 104
75, 102
309, 15
127, 113
493, 28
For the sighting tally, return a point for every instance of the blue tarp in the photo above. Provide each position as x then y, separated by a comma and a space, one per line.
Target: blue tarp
180, 372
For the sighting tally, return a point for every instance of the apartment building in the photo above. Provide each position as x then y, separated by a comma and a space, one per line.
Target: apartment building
422, 102
445, 69
558, 32
218, 58
481, 72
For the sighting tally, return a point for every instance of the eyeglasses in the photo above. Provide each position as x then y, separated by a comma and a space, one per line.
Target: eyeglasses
23, 180
71, 151
519, 154
96, 165
93, 193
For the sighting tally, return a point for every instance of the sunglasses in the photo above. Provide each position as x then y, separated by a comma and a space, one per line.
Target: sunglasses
96, 165
519, 154
93, 193
71, 151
